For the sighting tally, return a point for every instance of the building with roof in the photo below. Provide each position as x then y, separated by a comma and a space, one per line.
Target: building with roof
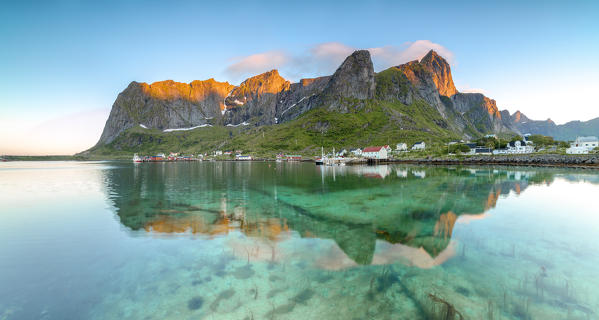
375, 153
582, 145
519, 146
356, 152
402, 146
419, 146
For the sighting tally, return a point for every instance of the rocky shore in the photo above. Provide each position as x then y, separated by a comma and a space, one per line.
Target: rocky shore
551, 160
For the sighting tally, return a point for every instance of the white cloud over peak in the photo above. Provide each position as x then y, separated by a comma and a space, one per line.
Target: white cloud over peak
257, 63
324, 58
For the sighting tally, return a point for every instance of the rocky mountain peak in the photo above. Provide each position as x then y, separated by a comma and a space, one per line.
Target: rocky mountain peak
254, 87
519, 117
441, 72
171, 90
354, 78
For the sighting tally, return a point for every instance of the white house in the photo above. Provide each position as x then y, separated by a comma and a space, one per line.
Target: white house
341, 153
218, 153
419, 146
519, 147
401, 147
582, 145
375, 153
356, 152
242, 157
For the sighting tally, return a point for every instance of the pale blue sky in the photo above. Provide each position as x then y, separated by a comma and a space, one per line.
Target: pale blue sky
62, 60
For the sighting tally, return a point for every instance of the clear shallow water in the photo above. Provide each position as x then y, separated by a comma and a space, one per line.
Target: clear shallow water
115, 240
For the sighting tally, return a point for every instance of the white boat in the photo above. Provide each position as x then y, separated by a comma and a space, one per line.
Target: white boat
322, 160
136, 158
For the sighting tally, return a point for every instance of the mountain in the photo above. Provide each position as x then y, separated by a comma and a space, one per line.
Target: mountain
565, 132
355, 106
165, 104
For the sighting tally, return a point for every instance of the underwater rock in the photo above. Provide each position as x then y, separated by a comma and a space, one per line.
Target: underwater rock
303, 296
195, 303
196, 282
221, 296
286, 308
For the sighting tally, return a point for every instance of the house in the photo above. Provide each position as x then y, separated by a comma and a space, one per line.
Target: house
218, 153
342, 153
582, 145
527, 140
375, 153
519, 146
387, 148
401, 147
242, 157
228, 153
500, 151
356, 152
419, 146
293, 157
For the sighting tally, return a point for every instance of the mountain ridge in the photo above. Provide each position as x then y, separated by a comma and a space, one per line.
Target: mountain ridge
399, 93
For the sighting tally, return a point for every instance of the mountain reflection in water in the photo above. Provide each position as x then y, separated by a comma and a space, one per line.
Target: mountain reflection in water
375, 214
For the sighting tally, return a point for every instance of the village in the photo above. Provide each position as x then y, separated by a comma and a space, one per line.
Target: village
487, 145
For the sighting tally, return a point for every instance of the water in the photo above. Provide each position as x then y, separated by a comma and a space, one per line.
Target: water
225, 240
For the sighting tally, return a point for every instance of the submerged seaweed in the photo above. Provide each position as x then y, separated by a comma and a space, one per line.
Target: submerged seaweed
442, 309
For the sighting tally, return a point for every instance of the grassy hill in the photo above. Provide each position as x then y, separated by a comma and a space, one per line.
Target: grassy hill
375, 122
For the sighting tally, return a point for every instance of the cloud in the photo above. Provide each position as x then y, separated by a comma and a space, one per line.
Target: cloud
388, 56
324, 58
467, 89
257, 63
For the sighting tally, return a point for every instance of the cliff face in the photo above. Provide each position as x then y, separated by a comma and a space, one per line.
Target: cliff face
165, 104
481, 111
430, 79
255, 98
441, 73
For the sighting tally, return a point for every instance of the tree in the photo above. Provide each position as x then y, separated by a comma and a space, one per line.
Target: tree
488, 142
459, 148
516, 138
541, 140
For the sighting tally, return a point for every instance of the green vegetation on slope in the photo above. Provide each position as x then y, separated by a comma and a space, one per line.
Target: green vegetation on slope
374, 123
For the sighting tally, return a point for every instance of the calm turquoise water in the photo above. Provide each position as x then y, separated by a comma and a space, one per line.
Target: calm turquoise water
211, 240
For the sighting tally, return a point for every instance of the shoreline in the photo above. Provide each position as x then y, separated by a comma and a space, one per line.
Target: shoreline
590, 161
587, 161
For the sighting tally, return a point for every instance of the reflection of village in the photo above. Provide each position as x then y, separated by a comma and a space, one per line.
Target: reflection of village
413, 232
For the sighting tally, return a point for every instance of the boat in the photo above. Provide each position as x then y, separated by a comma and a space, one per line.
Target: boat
137, 158
320, 161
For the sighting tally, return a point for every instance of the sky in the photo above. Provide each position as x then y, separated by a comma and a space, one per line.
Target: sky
62, 63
